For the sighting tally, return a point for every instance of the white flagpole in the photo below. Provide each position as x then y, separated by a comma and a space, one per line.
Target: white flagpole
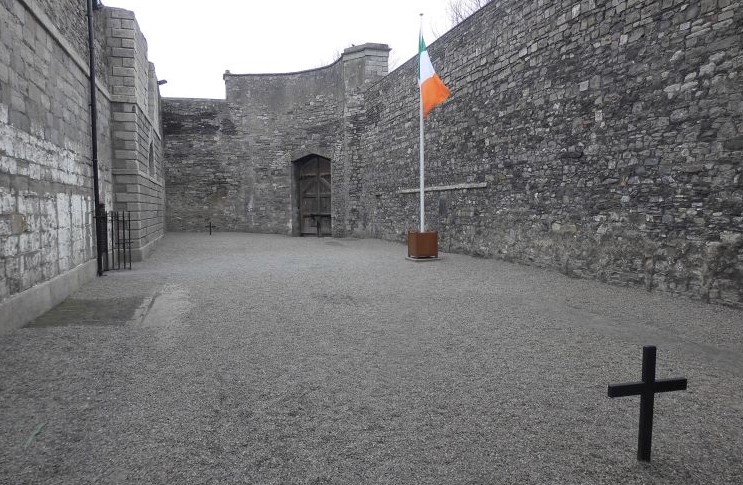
420, 95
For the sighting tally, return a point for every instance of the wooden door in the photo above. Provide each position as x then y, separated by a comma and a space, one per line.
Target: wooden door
314, 197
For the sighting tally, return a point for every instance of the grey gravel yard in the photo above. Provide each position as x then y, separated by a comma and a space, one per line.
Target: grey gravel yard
270, 359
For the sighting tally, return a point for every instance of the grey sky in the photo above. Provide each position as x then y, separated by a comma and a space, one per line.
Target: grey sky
192, 42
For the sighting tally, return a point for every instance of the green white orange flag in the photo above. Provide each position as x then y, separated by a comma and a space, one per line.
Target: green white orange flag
433, 90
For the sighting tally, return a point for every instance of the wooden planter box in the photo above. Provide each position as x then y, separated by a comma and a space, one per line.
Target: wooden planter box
423, 244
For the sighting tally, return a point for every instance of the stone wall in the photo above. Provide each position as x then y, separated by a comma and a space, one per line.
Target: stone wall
602, 139
47, 242
137, 134
231, 162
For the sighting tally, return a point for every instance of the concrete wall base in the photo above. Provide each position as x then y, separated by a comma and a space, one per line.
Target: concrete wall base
140, 254
24, 307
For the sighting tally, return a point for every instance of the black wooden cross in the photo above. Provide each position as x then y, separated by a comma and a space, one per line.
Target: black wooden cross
210, 227
646, 390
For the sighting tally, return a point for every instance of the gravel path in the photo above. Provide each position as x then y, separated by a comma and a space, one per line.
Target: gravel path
269, 359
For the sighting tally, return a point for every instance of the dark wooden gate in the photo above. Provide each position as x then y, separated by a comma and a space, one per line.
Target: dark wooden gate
314, 197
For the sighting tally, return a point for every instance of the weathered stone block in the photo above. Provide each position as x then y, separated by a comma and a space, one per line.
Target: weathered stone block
124, 71
123, 33
125, 53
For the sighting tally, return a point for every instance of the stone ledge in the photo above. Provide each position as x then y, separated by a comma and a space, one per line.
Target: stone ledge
23, 307
441, 188
134, 171
367, 46
368, 51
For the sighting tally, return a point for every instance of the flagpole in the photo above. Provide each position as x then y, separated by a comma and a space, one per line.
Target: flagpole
422, 188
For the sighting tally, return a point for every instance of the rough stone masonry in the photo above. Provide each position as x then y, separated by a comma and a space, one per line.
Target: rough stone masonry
601, 139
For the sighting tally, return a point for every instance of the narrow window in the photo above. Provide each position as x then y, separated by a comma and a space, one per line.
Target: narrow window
152, 159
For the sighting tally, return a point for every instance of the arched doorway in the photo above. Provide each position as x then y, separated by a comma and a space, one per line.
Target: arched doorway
314, 187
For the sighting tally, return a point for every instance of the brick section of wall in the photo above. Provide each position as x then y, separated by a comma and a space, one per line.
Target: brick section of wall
46, 205
231, 162
138, 172
608, 136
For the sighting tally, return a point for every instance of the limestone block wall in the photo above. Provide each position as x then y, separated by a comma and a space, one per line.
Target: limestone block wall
231, 161
46, 206
70, 20
602, 139
137, 133
47, 240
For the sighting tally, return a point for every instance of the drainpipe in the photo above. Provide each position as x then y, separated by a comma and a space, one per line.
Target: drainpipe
100, 211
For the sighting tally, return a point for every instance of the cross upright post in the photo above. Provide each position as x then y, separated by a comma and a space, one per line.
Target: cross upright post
646, 390
647, 402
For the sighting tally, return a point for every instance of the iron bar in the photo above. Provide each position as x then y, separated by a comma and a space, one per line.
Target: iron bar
118, 241
109, 247
129, 240
94, 139
123, 230
647, 402
318, 205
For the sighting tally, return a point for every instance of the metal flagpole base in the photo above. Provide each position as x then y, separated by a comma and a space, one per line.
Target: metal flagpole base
423, 246
422, 260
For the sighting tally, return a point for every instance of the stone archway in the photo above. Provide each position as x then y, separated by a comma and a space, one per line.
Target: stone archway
313, 183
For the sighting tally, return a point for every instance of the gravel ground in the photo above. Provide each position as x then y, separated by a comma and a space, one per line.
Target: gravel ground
269, 359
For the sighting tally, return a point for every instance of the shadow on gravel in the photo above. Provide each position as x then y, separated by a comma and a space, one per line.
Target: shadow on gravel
108, 312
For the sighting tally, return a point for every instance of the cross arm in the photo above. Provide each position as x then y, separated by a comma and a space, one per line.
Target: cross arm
667, 385
637, 388
628, 389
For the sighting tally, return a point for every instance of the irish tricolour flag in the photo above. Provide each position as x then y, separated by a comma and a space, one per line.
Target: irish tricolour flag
433, 90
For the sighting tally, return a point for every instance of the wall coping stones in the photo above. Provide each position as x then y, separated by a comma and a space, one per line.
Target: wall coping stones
354, 52
359, 51
368, 45
268, 74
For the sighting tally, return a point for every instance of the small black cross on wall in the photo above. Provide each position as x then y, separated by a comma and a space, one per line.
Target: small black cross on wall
646, 390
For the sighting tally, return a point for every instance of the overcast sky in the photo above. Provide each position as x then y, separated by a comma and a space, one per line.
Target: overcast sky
193, 42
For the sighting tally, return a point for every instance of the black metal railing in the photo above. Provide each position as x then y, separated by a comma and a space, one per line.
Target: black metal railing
116, 247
